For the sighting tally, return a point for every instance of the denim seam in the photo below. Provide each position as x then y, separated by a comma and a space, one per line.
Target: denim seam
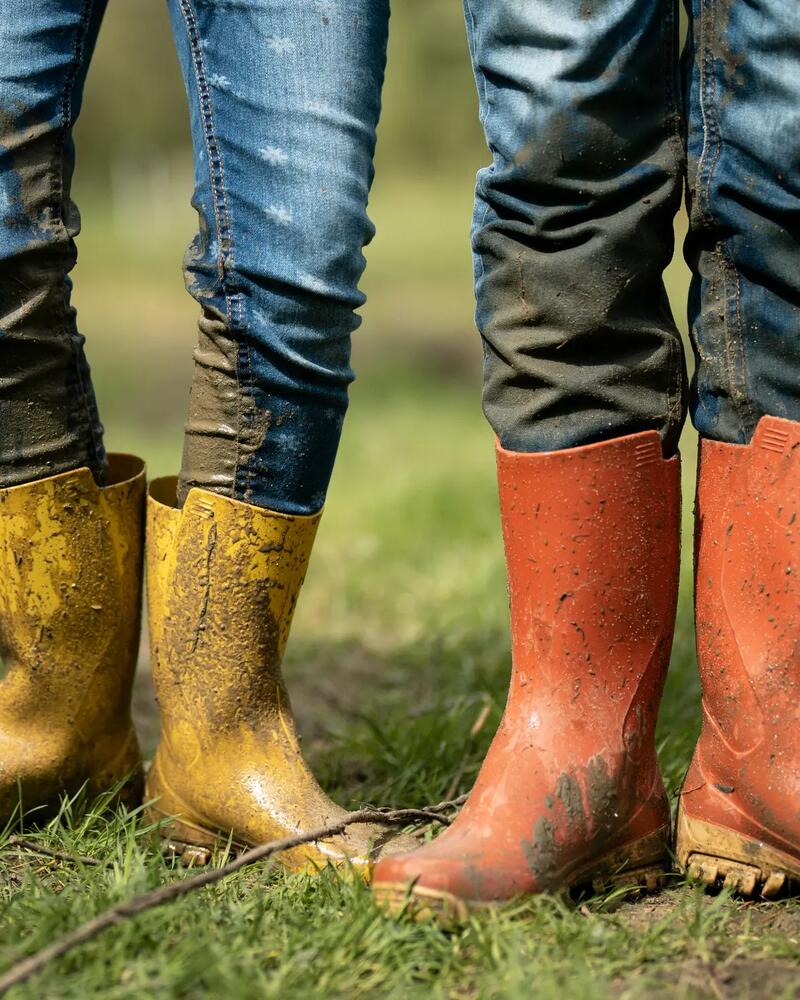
707, 159
480, 77
734, 341
482, 226
485, 114
59, 194
222, 215
485, 106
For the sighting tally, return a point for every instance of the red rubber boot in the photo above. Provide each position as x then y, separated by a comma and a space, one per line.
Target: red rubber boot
739, 815
570, 791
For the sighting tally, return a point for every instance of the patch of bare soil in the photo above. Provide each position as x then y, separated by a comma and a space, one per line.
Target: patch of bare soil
759, 919
329, 690
731, 977
640, 913
18, 865
736, 979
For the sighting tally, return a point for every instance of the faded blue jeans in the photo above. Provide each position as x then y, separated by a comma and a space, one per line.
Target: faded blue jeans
590, 119
284, 98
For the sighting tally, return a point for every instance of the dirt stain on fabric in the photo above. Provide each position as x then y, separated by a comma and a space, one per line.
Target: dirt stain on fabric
225, 427
47, 418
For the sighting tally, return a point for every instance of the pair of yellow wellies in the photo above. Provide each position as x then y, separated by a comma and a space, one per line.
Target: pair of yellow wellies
223, 581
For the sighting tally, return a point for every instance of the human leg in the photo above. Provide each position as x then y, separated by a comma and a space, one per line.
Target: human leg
284, 99
584, 389
573, 221
48, 417
738, 815
71, 520
284, 130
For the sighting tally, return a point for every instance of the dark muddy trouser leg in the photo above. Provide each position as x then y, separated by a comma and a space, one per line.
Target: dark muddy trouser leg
738, 816
742, 68
284, 100
573, 223
48, 416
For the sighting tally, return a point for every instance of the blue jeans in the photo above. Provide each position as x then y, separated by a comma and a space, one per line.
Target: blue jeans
589, 120
284, 97
591, 124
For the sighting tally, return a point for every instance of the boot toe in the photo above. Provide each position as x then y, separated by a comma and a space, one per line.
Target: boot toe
387, 844
362, 848
428, 886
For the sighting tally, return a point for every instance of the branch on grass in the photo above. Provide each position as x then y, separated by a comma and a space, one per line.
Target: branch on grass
27, 967
33, 847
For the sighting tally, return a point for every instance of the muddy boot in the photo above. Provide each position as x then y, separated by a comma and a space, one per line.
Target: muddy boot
70, 598
739, 814
570, 791
223, 582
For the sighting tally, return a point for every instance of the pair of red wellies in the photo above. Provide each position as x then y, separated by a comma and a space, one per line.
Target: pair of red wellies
571, 791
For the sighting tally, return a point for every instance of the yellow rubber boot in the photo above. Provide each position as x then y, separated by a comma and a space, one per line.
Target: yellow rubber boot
70, 608
223, 582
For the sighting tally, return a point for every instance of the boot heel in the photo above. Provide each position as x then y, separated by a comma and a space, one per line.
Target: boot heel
192, 845
189, 854
717, 857
649, 878
181, 836
641, 866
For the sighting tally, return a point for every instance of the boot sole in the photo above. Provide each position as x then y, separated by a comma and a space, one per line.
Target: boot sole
639, 867
192, 844
717, 856
182, 838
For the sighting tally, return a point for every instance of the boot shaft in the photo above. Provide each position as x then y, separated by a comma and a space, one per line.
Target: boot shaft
70, 599
739, 815
592, 541
747, 590
223, 583
570, 790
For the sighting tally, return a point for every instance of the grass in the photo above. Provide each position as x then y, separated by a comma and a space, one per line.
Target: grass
400, 640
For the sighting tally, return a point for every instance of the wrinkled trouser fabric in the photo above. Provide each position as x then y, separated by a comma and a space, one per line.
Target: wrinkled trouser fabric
284, 100
582, 103
591, 125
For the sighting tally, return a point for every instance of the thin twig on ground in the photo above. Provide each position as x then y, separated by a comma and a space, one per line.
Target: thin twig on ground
23, 970
33, 847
